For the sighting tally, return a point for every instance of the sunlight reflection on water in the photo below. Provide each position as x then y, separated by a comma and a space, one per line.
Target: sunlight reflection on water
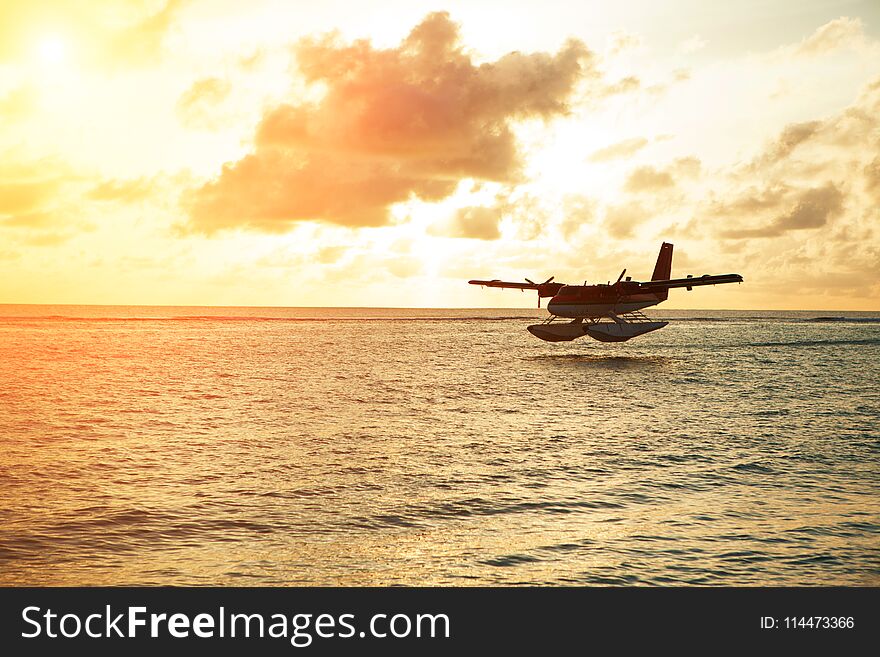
286, 446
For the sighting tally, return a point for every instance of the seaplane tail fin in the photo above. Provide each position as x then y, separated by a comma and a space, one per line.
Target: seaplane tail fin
663, 268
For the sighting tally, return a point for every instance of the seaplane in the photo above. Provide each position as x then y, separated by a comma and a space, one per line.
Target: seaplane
607, 312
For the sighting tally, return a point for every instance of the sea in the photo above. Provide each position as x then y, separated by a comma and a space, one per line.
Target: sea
436, 447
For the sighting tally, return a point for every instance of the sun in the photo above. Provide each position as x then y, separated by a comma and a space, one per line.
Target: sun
51, 50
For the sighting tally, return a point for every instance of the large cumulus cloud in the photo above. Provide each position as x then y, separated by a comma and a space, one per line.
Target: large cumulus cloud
392, 124
816, 174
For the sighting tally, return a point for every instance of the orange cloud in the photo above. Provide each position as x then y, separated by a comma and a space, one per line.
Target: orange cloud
392, 125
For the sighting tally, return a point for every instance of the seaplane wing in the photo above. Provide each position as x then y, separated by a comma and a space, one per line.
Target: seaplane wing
545, 289
516, 286
689, 282
497, 283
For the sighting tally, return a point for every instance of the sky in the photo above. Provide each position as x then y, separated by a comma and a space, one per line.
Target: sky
279, 153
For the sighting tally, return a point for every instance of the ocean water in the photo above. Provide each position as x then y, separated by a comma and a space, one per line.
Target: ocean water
268, 446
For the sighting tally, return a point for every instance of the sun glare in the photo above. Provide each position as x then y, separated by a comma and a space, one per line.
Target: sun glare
51, 50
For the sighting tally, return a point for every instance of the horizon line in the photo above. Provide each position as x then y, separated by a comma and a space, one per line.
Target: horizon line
168, 305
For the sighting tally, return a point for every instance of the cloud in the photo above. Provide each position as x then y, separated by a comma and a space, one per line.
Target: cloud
835, 35
813, 208
526, 217
809, 209
789, 139
329, 255
39, 199
272, 188
24, 196
577, 212
625, 148
855, 128
692, 45
648, 179
17, 104
622, 40
477, 222
625, 85
197, 106
393, 124
403, 266
34, 219
820, 177
127, 191
30, 193
871, 172
47, 239
142, 40
622, 220
823, 143
687, 167
755, 201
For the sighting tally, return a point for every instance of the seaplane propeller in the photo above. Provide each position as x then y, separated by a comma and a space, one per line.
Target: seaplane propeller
531, 282
618, 288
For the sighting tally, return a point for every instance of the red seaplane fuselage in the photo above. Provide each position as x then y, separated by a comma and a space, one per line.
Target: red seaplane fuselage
618, 302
